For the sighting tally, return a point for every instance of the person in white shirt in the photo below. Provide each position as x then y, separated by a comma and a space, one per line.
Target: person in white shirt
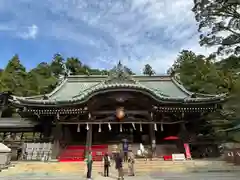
131, 161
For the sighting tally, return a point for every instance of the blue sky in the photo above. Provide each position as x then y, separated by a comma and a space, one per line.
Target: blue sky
99, 32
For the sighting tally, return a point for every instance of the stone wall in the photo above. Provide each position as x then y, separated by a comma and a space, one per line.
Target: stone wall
232, 156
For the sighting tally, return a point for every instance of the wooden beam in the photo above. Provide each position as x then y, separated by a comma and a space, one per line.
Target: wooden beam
121, 122
138, 112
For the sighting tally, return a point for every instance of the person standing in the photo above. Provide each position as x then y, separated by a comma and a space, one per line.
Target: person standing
106, 163
131, 161
89, 162
119, 166
125, 149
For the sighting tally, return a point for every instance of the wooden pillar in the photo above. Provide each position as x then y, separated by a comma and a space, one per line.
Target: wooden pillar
46, 127
89, 139
57, 133
67, 136
152, 135
89, 136
183, 132
183, 135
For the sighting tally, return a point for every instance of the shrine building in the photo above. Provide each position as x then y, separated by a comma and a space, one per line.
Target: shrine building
105, 109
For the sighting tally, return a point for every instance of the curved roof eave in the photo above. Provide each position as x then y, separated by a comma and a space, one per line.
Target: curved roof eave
180, 86
83, 98
61, 84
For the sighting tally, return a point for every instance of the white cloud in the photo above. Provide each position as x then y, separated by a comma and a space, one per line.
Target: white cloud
30, 33
136, 32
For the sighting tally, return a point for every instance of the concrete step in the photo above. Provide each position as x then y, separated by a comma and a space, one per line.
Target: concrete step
141, 167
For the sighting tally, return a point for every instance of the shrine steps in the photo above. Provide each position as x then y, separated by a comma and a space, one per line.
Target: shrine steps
141, 168
76, 153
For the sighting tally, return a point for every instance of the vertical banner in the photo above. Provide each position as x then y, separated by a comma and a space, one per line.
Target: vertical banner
187, 151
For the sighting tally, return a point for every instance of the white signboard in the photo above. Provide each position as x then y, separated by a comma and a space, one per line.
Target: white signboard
178, 157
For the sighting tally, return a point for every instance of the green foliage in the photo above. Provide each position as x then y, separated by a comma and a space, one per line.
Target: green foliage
202, 74
148, 70
57, 65
219, 24
44, 77
13, 77
40, 80
74, 65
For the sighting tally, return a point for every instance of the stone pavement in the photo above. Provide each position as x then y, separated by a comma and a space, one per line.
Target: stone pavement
155, 170
157, 176
195, 176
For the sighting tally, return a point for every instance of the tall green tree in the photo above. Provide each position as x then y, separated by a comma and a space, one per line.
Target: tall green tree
74, 65
230, 64
203, 75
148, 70
219, 24
13, 77
42, 76
199, 74
57, 65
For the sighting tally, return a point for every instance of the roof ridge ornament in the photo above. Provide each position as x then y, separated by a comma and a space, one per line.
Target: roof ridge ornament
119, 73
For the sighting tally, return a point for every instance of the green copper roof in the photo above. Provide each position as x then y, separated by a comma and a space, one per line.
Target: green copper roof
78, 89
73, 87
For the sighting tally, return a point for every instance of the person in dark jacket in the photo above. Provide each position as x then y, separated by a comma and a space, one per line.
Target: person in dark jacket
119, 166
106, 164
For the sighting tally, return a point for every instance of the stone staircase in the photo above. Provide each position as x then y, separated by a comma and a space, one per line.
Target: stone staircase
142, 168
51, 168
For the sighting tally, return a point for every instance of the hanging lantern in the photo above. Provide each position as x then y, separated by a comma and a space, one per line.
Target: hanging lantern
120, 113
78, 128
